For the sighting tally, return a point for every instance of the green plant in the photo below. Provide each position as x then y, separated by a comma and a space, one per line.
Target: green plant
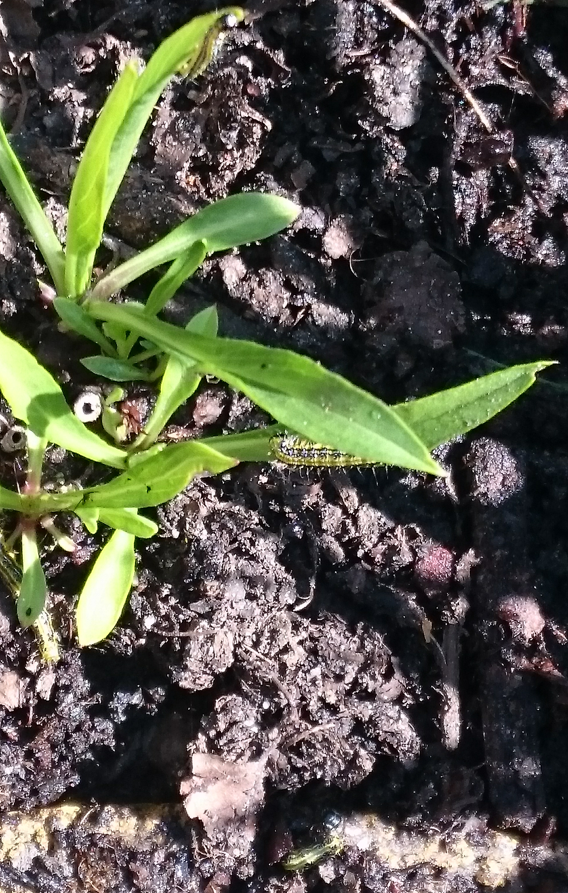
302, 396
233, 221
295, 390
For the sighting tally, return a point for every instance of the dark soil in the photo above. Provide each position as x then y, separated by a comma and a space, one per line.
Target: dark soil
304, 648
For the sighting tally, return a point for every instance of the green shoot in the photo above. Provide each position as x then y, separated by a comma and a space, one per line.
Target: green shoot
234, 221
20, 191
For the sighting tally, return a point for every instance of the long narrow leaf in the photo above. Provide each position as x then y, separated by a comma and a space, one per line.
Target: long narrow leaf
297, 391
443, 416
179, 381
181, 269
87, 210
76, 319
237, 220
23, 197
36, 399
33, 591
164, 64
104, 594
156, 476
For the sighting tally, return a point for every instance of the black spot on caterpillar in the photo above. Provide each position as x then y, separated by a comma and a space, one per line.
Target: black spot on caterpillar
295, 450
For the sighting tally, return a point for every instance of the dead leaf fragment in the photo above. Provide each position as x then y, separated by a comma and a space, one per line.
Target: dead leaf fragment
219, 792
11, 689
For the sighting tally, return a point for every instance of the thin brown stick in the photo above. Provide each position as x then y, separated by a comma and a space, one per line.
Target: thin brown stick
413, 26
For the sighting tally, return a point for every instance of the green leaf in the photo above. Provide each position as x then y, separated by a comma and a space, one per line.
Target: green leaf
14, 502
36, 399
23, 197
248, 446
447, 414
76, 319
302, 395
117, 333
179, 381
130, 521
33, 591
181, 269
89, 517
87, 210
237, 220
156, 476
105, 592
170, 56
115, 370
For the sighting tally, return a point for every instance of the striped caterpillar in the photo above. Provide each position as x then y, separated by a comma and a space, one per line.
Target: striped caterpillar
295, 450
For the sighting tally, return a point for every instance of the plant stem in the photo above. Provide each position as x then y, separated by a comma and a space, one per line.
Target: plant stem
36, 453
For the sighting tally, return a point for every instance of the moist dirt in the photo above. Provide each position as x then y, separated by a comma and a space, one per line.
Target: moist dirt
373, 657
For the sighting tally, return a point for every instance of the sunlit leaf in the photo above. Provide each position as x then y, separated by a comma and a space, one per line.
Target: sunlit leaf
24, 199
237, 220
36, 399
105, 592
33, 591
170, 56
87, 210
156, 476
298, 392
447, 414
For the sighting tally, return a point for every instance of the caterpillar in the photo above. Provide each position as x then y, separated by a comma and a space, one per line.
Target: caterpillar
199, 59
295, 450
46, 636
311, 855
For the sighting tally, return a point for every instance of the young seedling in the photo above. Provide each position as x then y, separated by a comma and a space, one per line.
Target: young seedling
237, 220
333, 419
